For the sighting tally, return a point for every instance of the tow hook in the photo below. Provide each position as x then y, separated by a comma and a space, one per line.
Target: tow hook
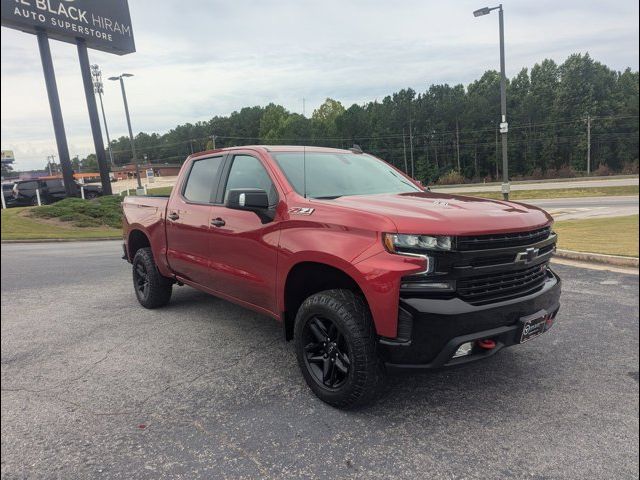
486, 344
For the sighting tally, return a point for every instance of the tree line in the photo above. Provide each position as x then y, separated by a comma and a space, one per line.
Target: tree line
447, 131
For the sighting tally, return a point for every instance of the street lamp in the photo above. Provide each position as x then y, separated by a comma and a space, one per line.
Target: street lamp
504, 126
126, 111
98, 88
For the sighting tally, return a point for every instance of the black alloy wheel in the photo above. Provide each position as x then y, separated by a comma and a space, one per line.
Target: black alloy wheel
141, 279
326, 352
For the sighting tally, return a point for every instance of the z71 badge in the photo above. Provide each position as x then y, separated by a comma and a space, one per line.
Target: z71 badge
301, 211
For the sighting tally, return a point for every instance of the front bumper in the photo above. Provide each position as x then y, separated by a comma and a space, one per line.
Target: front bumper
437, 327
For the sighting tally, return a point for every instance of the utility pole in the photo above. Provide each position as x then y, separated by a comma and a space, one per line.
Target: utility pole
404, 152
213, 140
475, 159
588, 144
458, 144
497, 161
411, 147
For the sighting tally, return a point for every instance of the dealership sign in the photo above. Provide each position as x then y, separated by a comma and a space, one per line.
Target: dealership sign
7, 156
103, 24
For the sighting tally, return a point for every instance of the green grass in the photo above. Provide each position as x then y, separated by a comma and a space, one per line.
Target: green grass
18, 225
611, 236
558, 193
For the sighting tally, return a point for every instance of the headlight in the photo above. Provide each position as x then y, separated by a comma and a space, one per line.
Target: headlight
416, 244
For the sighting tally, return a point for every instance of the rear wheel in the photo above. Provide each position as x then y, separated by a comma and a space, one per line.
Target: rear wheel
152, 289
336, 348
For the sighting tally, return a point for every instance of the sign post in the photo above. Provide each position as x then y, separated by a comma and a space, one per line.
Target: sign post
56, 112
85, 70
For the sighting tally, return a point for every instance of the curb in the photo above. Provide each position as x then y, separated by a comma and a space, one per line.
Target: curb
615, 260
62, 240
534, 182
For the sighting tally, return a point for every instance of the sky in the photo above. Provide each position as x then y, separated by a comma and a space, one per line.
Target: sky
202, 58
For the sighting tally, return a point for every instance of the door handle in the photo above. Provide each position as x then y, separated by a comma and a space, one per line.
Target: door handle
173, 216
218, 222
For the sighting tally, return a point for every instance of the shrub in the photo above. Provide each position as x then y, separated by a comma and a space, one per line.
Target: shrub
630, 168
101, 211
566, 171
537, 174
603, 170
452, 177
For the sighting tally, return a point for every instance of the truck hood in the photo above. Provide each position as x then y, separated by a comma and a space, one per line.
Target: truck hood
442, 214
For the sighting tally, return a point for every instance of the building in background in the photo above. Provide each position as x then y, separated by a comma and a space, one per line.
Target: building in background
129, 171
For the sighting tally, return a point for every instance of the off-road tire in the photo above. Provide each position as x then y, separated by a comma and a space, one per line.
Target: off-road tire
349, 312
157, 288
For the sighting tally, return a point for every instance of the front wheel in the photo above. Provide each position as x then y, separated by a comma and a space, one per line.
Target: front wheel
152, 289
336, 348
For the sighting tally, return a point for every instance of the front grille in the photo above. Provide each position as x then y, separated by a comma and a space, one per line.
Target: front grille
502, 286
502, 240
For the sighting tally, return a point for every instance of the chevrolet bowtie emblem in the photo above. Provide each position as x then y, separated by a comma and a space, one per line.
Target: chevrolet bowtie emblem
528, 256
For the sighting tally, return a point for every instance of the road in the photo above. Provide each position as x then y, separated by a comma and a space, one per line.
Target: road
542, 185
94, 386
588, 207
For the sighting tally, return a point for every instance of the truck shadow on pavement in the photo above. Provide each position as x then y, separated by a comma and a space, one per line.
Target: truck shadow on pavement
505, 382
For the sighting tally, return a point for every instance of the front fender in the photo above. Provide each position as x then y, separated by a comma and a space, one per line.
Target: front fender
363, 258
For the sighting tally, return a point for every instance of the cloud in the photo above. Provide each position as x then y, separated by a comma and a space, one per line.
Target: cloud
200, 58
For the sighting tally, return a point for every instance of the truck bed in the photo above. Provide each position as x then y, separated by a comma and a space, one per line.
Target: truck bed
144, 210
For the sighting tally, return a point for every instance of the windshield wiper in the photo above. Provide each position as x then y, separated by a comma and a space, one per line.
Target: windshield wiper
328, 197
402, 180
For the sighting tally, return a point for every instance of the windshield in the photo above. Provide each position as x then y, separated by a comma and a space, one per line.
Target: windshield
333, 175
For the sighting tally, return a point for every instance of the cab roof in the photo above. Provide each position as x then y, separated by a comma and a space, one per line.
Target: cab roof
274, 148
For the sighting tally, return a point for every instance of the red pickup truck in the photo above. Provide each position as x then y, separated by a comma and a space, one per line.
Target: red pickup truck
366, 271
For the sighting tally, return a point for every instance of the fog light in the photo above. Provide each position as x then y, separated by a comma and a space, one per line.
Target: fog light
463, 350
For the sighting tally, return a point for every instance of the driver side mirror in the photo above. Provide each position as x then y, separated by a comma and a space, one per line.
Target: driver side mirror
252, 199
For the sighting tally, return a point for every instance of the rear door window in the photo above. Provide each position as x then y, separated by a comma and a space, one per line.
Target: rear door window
203, 179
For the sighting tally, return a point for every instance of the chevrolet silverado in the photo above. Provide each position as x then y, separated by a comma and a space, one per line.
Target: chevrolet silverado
366, 271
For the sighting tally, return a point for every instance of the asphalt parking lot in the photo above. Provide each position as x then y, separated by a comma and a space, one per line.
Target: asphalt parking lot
94, 386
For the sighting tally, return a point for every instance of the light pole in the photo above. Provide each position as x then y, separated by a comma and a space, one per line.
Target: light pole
126, 111
504, 126
98, 88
